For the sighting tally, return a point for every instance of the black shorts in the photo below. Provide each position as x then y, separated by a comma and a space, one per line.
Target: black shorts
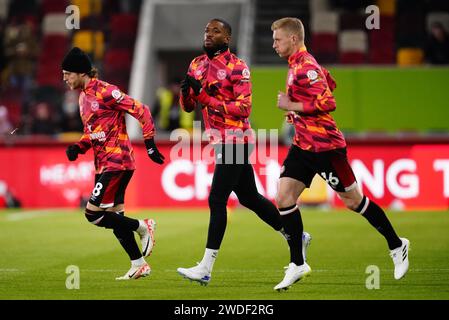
109, 189
332, 166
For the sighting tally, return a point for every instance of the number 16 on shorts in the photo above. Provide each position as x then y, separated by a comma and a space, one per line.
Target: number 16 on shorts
330, 179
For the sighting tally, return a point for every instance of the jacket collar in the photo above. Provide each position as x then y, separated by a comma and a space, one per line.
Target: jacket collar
295, 56
91, 84
222, 56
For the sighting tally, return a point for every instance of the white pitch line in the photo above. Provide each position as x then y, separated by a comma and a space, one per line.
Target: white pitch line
316, 270
239, 270
101, 270
9, 270
31, 214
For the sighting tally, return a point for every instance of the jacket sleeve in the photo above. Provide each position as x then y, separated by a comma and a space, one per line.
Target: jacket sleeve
330, 80
118, 100
240, 105
84, 143
312, 86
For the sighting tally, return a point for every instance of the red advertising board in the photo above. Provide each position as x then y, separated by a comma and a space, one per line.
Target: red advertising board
414, 176
405, 176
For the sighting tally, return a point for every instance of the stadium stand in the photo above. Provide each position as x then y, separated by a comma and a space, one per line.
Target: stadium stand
404, 24
353, 46
324, 28
54, 6
387, 7
385, 53
88, 8
91, 42
410, 56
34, 40
107, 34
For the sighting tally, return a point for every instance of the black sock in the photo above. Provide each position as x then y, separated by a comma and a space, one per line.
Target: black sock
128, 242
292, 222
377, 218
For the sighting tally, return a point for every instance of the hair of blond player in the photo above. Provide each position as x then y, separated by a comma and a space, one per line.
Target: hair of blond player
290, 25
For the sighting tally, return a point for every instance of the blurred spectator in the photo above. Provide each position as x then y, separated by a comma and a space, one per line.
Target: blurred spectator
438, 45
42, 122
123, 6
3, 61
130, 6
71, 121
5, 124
167, 110
21, 50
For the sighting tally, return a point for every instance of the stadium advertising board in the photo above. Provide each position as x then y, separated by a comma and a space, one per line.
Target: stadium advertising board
400, 177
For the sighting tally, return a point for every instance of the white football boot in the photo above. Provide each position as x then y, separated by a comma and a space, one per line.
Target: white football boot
293, 274
199, 274
136, 272
400, 258
146, 232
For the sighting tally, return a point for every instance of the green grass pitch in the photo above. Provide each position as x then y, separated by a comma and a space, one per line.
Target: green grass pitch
37, 247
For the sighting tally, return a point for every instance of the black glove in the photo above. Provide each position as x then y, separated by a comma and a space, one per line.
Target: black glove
72, 152
153, 152
185, 86
194, 84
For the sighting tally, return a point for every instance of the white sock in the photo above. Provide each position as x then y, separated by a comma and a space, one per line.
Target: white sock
209, 258
138, 262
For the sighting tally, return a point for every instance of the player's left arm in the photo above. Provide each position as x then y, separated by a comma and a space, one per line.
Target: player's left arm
309, 93
120, 101
330, 80
240, 105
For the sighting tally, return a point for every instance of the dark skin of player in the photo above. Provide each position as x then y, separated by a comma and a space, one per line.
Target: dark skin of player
215, 35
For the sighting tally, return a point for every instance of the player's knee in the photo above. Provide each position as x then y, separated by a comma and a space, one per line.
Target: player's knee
351, 204
216, 201
94, 217
248, 201
285, 200
244, 202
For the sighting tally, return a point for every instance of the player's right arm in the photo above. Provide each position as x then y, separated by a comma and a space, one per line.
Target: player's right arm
187, 98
